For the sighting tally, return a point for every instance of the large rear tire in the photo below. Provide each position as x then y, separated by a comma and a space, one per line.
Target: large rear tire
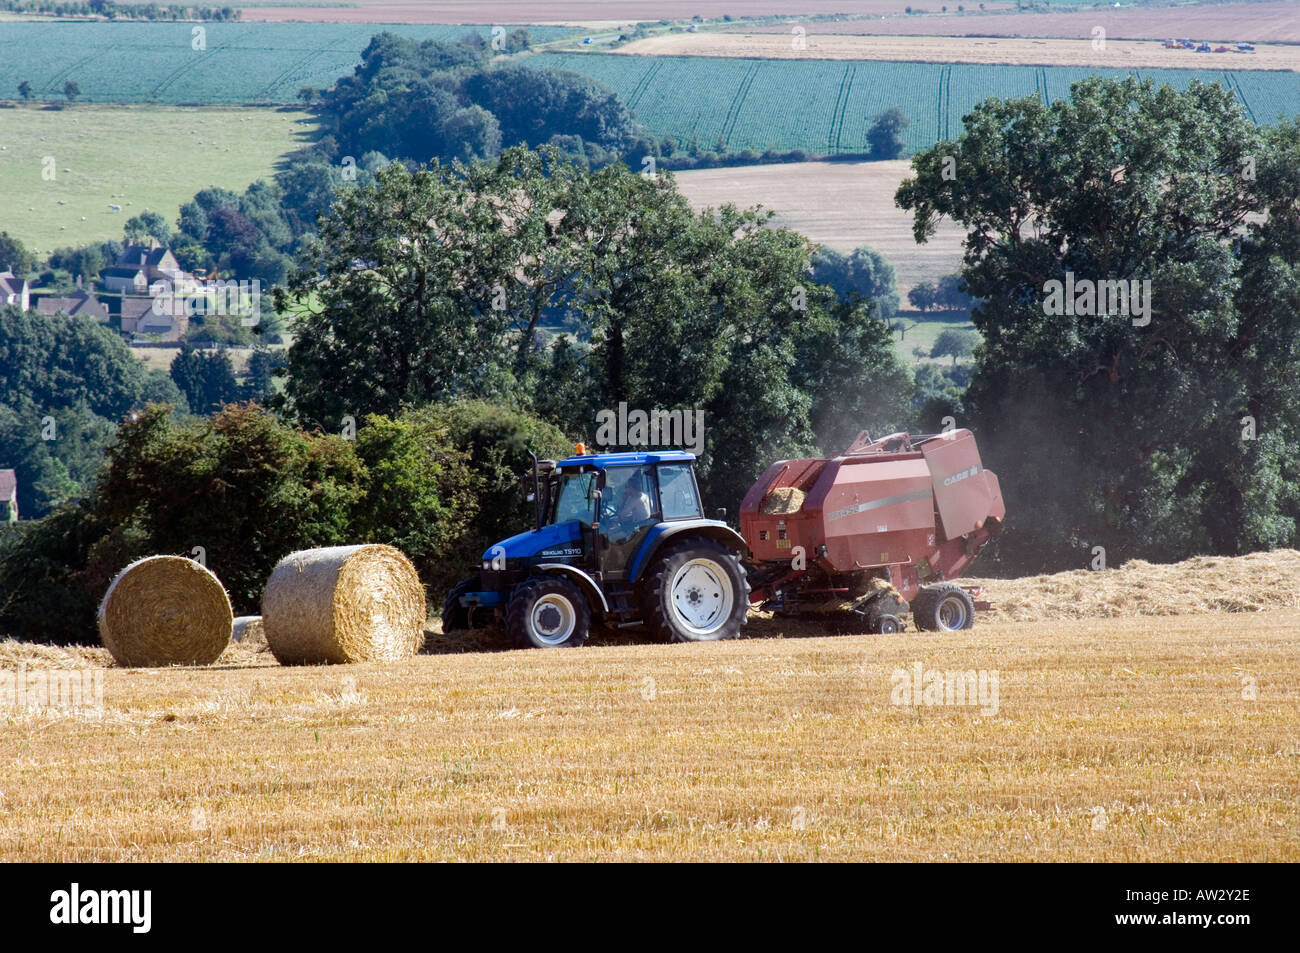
946, 607
548, 612
455, 617
696, 591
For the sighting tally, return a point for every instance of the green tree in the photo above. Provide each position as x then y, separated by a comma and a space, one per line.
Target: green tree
865, 273
948, 294
418, 494
259, 382
473, 133
954, 343
922, 296
25, 90
65, 382
674, 310
1127, 181
885, 136
147, 228
14, 255
71, 90
407, 308
206, 379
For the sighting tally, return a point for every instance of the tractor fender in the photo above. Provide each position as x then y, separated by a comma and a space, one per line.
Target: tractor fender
668, 532
584, 581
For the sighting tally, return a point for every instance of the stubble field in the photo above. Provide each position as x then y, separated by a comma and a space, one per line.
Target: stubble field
820, 42
1127, 739
840, 204
1274, 21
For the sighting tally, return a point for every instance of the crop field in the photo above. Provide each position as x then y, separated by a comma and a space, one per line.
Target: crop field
1132, 739
158, 62
150, 158
819, 43
826, 107
1271, 21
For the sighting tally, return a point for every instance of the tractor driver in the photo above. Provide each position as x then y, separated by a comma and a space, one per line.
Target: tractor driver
630, 507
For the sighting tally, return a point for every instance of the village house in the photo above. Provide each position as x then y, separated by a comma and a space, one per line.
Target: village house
8, 496
164, 318
14, 290
141, 270
125, 280
80, 303
159, 266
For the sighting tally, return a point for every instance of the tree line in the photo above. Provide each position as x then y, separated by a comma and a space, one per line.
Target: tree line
109, 10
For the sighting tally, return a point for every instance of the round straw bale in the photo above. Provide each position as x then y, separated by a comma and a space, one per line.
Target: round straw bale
248, 631
165, 610
344, 604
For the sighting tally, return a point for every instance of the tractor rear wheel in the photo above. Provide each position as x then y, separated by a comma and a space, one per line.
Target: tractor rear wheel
455, 617
548, 612
943, 608
696, 592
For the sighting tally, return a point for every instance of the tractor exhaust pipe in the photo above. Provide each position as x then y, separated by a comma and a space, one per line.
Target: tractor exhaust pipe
537, 492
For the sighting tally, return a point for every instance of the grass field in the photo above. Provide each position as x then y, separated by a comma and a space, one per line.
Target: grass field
820, 42
1113, 740
142, 158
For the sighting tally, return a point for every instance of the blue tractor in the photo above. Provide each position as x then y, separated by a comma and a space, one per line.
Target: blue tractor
620, 539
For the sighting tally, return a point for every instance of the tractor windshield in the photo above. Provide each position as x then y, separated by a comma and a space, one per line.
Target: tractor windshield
575, 499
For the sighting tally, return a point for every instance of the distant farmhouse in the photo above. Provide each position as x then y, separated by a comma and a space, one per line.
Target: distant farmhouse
8, 496
80, 302
155, 292
14, 290
147, 289
124, 280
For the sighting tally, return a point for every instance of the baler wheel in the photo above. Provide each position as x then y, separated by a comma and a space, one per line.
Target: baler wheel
887, 624
943, 608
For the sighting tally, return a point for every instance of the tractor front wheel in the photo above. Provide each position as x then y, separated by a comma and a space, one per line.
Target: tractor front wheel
548, 612
696, 592
455, 617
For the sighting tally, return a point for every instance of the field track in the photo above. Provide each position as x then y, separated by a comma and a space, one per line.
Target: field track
1113, 740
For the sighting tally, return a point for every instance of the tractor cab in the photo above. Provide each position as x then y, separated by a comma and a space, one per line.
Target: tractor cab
603, 524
